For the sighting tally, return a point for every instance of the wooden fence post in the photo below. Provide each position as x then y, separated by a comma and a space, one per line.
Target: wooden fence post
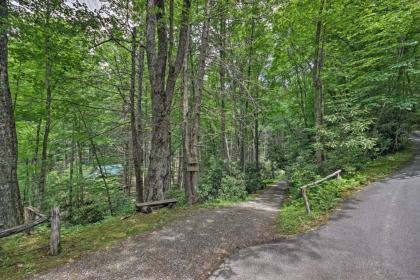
55, 231
29, 217
305, 199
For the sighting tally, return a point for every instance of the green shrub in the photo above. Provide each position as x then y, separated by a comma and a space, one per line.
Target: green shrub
179, 195
87, 214
232, 188
222, 180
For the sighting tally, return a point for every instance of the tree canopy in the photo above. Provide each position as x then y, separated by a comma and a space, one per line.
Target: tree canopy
203, 99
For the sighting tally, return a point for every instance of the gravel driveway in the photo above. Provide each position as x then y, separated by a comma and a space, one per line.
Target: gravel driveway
187, 248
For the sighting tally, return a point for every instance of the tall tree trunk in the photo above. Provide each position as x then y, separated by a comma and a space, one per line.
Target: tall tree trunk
140, 137
70, 185
134, 126
193, 155
47, 86
158, 177
11, 212
256, 122
317, 85
223, 142
185, 128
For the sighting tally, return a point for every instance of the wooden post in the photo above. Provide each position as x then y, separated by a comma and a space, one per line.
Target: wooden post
305, 199
29, 217
55, 231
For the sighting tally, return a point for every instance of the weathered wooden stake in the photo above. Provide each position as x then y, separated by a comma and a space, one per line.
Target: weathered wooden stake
29, 217
305, 199
55, 231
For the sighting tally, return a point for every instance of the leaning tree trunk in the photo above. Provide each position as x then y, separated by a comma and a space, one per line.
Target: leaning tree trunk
10, 205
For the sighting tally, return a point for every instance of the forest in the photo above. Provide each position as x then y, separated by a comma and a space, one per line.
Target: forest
107, 103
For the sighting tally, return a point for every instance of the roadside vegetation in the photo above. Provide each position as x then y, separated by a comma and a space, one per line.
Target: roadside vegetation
325, 197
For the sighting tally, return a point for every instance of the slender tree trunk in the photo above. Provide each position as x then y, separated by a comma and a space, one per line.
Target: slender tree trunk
136, 145
47, 86
185, 129
223, 141
193, 158
11, 212
70, 186
98, 162
256, 121
81, 183
140, 137
317, 85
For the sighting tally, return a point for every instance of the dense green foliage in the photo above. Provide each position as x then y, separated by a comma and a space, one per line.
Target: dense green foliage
265, 50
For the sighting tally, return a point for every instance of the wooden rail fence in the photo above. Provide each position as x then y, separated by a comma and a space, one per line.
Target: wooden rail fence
313, 184
33, 218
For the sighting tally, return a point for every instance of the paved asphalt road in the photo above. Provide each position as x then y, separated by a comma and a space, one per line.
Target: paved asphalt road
375, 235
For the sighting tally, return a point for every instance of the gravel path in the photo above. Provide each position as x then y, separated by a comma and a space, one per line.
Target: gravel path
187, 248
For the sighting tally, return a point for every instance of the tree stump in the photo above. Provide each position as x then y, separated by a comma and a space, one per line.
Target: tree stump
55, 232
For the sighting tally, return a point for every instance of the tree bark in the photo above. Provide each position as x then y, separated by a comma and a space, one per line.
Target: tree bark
140, 137
137, 152
55, 232
47, 86
193, 155
185, 128
11, 212
222, 56
158, 177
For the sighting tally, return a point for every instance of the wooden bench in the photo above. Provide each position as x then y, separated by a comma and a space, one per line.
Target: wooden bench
147, 207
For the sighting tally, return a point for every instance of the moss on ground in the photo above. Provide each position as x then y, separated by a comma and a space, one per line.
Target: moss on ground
292, 217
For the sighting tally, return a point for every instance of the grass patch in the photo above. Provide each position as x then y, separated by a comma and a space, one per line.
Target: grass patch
23, 255
293, 219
